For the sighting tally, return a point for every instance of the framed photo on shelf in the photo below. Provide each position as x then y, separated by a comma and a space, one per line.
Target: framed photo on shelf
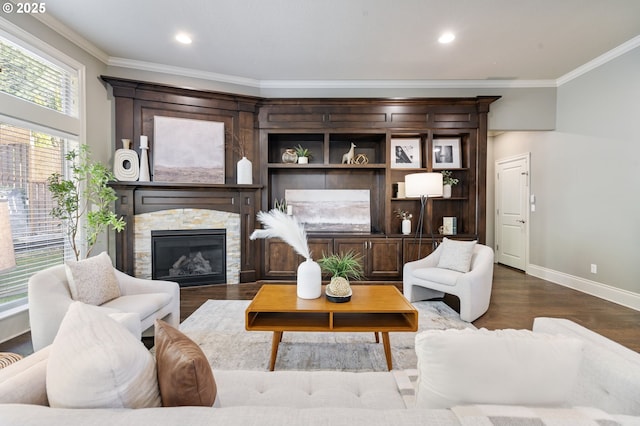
405, 153
446, 153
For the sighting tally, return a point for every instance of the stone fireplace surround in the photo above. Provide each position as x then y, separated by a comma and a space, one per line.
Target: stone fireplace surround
147, 206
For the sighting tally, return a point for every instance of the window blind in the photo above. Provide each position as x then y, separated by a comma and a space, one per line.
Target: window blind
27, 159
31, 77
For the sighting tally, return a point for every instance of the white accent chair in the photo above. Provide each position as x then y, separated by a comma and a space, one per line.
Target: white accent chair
423, 280
50, 297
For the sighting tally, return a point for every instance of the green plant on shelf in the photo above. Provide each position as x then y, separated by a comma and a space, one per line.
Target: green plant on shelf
346, 265
302, 152
447, 179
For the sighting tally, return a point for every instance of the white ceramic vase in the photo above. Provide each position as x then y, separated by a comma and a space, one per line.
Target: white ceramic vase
406, 226
244, 170
446, 191
309, 284
303, 160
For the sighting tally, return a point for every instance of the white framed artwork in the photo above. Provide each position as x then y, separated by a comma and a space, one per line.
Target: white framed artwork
446, 153
405, 153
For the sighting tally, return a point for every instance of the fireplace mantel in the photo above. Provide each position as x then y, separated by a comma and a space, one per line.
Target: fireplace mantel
145, 197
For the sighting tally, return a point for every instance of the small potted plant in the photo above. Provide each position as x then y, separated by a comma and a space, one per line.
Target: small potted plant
405, 216
342, 267
303, 154
447, 182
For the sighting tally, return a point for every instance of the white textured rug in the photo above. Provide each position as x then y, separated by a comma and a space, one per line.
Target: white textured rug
218, 327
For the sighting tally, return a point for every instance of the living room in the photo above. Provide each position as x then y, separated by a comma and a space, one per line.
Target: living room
569, 123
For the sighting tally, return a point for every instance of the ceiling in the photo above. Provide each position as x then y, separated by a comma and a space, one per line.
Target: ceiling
329, 40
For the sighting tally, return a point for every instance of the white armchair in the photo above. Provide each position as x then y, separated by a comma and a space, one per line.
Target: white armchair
50, 297
422, 280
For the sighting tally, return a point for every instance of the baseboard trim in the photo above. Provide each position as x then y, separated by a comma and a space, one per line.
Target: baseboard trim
603, 291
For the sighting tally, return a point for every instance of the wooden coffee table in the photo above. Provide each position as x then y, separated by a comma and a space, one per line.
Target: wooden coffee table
373, 308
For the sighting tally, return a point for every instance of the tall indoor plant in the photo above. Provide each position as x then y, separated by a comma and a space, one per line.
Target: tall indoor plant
83, 200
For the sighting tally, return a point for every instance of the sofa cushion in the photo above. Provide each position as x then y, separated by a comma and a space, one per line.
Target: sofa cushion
92, 280
145, 304
96, 362
509, 367
438, 275
184, 373
456, 255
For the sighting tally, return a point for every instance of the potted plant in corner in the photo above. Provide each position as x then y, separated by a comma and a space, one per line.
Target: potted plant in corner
447, 182
84, 195
341, 267
303, 154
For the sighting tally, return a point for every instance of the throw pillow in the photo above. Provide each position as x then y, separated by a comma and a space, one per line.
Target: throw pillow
456, 255
92, 280
506, 367
184, 373
95, 362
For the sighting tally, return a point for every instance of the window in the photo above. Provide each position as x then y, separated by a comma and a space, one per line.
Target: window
33, 143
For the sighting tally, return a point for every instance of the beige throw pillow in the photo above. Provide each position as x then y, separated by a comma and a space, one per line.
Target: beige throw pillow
184, 373
456, 255
95, 362
92, 280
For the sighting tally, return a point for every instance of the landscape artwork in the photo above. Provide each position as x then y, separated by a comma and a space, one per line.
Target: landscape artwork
335, 210
188, 151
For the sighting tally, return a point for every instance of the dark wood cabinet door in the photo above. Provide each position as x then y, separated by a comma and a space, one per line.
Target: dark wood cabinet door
385, 258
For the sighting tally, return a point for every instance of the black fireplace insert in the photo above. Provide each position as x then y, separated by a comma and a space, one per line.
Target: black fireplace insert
189, 257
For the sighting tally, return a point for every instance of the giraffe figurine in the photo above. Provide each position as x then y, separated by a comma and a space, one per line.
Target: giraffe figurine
348, 158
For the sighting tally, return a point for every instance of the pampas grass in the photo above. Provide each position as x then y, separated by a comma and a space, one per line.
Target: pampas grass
287, 228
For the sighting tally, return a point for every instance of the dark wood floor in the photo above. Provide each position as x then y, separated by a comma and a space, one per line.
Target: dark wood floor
516, 300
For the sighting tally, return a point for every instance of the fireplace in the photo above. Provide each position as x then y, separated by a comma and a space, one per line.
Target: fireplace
189, 257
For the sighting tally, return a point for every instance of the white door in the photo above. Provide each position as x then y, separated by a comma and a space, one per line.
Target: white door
512, 202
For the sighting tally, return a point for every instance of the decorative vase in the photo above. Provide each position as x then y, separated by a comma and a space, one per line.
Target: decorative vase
289, 156
446, 191
406, 226
244, 171
309, 284
303, 160
126, 166
144, 160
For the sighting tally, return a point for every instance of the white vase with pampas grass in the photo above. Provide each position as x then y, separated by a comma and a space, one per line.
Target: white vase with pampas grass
278, 224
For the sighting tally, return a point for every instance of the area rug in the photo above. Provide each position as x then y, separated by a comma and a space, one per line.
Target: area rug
218, 327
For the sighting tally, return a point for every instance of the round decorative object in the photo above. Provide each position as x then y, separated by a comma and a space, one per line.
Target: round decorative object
289, 156
309, 284
361, 159
337, 299
244, 171
125, 165
339, 286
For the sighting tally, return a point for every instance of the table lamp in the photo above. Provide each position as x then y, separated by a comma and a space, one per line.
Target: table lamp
423, 185
7, 255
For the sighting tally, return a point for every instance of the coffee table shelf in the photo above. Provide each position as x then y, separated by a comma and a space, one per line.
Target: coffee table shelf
373, 308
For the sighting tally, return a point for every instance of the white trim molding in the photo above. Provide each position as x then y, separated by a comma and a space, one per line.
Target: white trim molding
603, 291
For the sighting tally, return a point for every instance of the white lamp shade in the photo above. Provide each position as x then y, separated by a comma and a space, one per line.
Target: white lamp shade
7, 255
423, 184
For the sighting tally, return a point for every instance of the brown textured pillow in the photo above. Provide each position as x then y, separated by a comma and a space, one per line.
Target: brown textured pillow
184, 373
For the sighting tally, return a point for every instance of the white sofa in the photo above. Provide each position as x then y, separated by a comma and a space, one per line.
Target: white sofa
50, 297
608, 386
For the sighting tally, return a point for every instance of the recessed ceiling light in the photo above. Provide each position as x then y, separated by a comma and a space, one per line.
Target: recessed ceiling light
447, 37
183, 38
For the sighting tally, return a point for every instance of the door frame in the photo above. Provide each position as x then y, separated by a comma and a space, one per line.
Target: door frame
525, 156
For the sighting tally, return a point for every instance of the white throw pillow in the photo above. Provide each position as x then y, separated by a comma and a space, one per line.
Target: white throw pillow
95, 362
92, 280
507, 367
456, 255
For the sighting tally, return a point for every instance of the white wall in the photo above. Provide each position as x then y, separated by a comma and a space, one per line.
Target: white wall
585, 176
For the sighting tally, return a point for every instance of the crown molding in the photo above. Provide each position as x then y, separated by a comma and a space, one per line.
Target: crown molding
183, 72
600, 60
403, 84
72, 36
